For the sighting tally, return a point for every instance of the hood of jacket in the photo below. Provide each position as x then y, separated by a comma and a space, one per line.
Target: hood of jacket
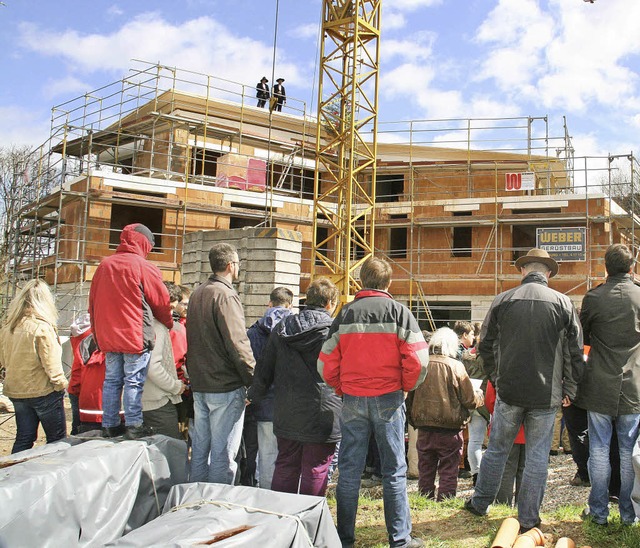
304, 331
271, 318
134, 238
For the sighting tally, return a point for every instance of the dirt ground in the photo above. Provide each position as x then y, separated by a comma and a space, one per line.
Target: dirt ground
8, 430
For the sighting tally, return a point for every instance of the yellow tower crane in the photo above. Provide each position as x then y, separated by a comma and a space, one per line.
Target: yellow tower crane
346, 141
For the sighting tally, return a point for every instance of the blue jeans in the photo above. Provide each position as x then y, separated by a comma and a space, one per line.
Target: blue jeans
538, 427
30, 412
600, 430
216, 436
477, 431
267, 453
124, 378
385, 416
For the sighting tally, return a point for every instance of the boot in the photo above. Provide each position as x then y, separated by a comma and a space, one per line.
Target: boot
112, 431
137, 432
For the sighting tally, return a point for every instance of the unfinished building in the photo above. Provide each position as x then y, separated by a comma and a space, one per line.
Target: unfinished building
456, 201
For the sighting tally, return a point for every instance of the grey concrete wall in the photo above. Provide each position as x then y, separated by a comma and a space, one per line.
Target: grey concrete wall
269, 257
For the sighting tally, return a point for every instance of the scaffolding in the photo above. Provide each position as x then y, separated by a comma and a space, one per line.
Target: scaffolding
147, 148
182, 151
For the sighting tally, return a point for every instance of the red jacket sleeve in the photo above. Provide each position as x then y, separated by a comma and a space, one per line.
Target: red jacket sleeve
415, 360
75, 378
156, 294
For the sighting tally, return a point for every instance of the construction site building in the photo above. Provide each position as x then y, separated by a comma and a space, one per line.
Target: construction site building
457, 201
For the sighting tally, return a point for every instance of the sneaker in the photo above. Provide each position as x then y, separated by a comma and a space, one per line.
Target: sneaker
112, 431
414, 543
471, 508
137, 432
553, 452
586, 516
464, 474
577, 481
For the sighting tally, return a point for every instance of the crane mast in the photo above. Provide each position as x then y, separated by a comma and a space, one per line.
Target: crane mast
346, 141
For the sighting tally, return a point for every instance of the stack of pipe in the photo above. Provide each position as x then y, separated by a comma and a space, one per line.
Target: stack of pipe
508, 537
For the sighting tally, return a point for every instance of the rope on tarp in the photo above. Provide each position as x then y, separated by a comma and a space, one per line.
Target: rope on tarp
231, 505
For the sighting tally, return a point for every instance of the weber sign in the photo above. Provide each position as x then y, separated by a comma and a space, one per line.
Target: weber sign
520, 181
563, 244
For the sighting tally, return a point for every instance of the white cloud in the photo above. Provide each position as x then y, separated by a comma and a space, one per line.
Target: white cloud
202, 45
115, 11
393, 21
417, 47
407, 79
411, 5
517, 33
309, 30
394, 12
67, 86
22, 126
568, 57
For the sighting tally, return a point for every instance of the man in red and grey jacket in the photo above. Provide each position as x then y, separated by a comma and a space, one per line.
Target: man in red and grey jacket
374, 354
126, 294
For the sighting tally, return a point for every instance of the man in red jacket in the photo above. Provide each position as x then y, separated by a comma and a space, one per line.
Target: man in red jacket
126, 294
374, 353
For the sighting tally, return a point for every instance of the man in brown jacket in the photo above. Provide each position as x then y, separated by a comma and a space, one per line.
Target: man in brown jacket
220, 365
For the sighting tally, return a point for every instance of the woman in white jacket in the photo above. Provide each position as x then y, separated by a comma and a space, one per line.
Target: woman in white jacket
162, 388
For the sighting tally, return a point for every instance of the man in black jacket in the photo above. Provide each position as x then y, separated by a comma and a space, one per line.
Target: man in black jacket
531, 344
262, 92
306, 410
279, 94
610, 390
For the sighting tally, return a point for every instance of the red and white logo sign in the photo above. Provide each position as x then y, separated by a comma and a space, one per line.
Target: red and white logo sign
520, 181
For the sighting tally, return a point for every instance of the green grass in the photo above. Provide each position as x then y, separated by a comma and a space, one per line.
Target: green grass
448, 525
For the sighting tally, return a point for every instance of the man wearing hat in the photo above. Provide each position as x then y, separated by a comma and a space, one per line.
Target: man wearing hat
531, 344
279, 94
262, 92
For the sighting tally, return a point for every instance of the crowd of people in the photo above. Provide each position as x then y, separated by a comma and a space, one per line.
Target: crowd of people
276, 404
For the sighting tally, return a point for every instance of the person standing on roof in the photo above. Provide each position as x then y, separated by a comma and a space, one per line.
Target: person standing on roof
126, 294
262, 92
279, 94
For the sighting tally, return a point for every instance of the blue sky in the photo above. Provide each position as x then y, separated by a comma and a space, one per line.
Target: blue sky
440, 58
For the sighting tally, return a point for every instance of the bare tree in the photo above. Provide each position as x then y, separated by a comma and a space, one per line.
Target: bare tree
22, 182
623, 186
